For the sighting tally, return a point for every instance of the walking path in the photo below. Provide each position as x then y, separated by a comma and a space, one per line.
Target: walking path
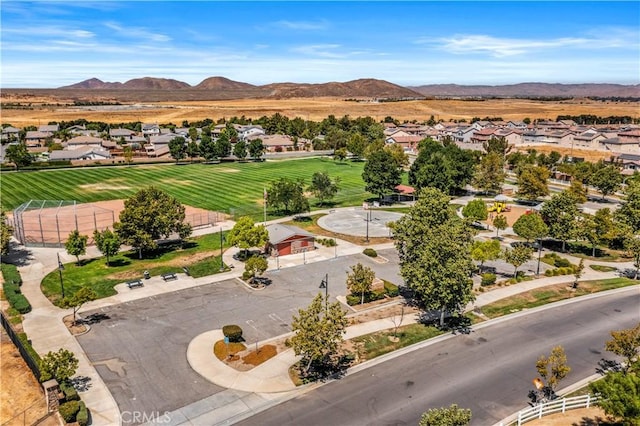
249, 392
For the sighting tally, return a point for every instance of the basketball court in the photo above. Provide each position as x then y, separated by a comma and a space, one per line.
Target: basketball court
359, 222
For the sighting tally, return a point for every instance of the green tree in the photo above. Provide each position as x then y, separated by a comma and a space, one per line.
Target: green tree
476, 210
517, 256
360, 280
18, 155
240, 150
357, 145
223, 145
340, 154
434, 247
451, 416
208, 148
76, 244
586, 229
397, 152
443, 166
632, 246
578, 191
605, 226
192, 150
498, 146
607, 180
482, 251
256, 149
79, 298
322, 187
553, 368
107, 242
5, 234
530, 226
381, 173
577, 273
626, 344
287, 195
177, 148
500, 223
619, 396
255, 265
489, 173
560, 215
148, 215
127, 153
629, 211
245, 234
532, 182
60, 365
319, 331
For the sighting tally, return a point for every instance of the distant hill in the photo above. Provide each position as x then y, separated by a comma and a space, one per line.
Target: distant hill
368, 88
222, 83
363, 88
213, 88
530, 90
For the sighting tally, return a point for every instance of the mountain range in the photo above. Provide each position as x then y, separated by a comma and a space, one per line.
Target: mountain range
361, 88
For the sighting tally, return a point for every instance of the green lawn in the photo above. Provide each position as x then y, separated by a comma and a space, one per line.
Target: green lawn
235, 188
550, 294
379, 343
200, 255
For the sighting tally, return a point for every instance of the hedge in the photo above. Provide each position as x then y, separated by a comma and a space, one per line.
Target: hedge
391, 289
488, 279
83, 415
11, 288
69, 410
70, 393
370, 252
27, 345
233, 332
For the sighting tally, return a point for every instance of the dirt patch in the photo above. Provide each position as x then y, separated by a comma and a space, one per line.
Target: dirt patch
21, 395
73, 327
95, 187
177, 182
382, 312
243, 358
584, 416
224, 170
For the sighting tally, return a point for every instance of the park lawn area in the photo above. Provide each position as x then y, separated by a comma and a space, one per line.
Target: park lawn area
379, 343
550, 294
234, 188
200, 255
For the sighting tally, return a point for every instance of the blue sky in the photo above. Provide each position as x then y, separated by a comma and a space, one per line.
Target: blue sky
55, 43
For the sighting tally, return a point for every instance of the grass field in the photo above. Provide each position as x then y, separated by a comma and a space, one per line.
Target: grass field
235, 188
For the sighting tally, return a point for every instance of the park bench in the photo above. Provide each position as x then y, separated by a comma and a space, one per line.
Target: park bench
169, 276
134, 283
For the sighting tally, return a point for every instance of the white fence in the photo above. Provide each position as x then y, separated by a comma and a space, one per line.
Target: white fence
557, 406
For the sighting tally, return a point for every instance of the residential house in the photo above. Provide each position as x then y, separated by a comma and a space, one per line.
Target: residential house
483, 135
278, 142
517, 125
630, 163
35, 138
84, 141
251, 130
10, 133
588, 140
120, 133
84, 153
464, 134
150, 129
49, 128
286, 239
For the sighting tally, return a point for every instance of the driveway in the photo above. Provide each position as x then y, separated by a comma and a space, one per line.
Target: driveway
140, 350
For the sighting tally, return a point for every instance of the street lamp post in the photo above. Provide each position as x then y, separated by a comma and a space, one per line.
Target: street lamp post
539, 254
221, 252
325, 284
60, 268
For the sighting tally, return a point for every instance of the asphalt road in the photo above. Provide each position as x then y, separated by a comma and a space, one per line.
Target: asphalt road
489, 370
140, 351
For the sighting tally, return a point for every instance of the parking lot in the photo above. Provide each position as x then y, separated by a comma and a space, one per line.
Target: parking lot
140, 350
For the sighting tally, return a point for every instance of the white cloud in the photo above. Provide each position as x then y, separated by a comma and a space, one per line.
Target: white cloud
301, 25
503, 47
48, 31
137, 32
319, 50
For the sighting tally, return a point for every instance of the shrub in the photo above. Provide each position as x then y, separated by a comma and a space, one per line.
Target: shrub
70, 393
370, 252
83, 415
391, 289
488, 279
353, 300
27, 344
561, 262
10, 274
327, 242
11, 288
233, 332
69, 410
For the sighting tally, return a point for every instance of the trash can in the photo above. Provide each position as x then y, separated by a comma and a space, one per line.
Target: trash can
147, 275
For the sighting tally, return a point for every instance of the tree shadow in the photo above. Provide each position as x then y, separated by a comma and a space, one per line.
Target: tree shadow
18, 255
596, 421
119, 262
322, 371
95, 318
303, 219
81, 383
607, 365
456, 324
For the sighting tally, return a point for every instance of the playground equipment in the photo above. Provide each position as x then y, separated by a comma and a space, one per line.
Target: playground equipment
499, 205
